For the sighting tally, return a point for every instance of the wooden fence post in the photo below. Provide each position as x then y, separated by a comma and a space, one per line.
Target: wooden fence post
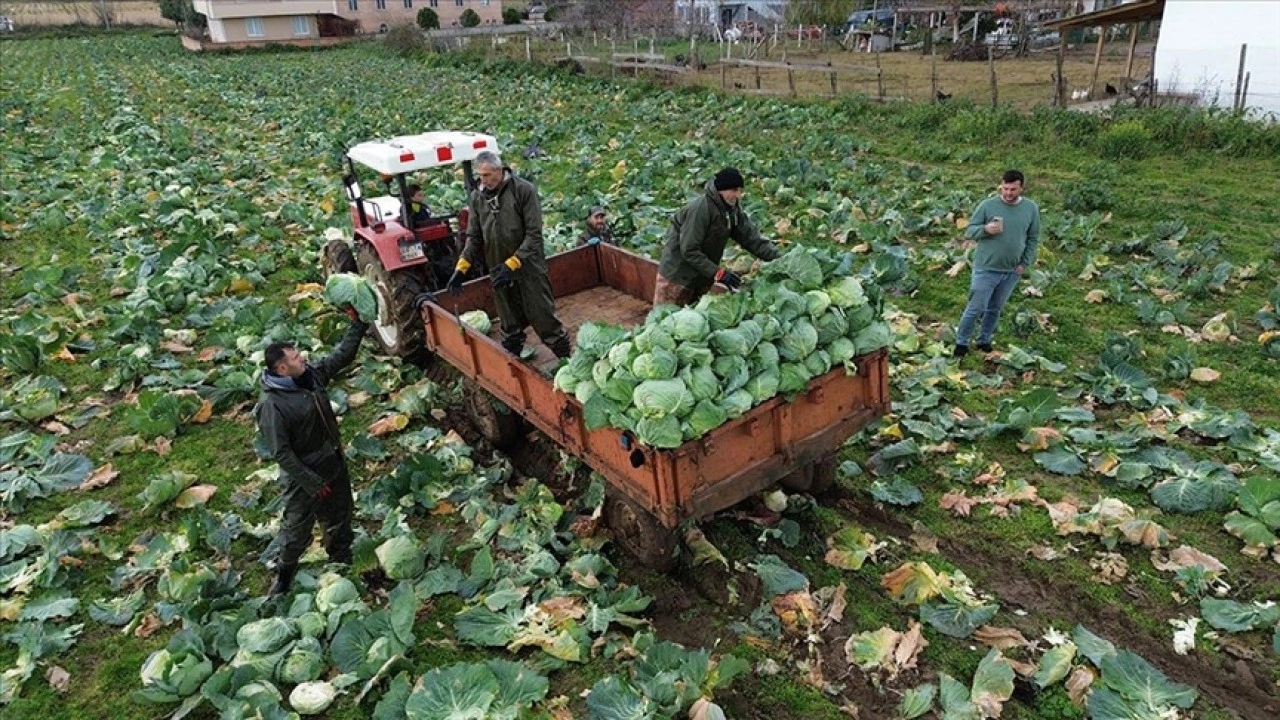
1133, 44
1236, 104
757, 77
834, 90
991, 65
933, 79
879, 78
1097, 60
724, 75
791, 81
1244, 92
528, 49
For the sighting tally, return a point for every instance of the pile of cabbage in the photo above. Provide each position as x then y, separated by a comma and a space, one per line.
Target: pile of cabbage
686, 371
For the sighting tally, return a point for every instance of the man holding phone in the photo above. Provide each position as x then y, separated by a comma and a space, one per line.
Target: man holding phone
1007, 228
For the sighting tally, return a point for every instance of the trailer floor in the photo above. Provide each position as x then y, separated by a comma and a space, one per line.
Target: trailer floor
603, 304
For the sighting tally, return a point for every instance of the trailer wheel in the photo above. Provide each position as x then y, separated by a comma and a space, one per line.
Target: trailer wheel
640, 534
338, 258
499, 424
398, 326
815, 478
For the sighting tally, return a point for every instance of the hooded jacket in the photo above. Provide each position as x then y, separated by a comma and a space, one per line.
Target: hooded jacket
506, 222
297, 423
698, 235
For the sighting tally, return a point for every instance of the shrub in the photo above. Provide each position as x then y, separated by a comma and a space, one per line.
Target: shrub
405, 39
469, 18
428, 19
1125, 140
510, 16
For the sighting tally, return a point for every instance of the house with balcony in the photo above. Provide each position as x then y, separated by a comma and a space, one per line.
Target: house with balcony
254, 23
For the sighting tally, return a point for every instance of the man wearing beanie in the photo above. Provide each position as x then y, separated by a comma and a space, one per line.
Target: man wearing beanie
597, 230
697, 238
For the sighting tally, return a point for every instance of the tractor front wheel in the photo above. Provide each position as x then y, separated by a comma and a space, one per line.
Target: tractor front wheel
338, 258
398, 326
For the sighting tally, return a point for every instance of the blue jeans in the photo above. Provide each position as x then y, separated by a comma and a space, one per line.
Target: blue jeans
989, 290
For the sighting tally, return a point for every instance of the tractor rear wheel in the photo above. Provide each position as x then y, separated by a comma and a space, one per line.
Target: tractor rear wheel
639, 533
398, 326
338, 258
499, 424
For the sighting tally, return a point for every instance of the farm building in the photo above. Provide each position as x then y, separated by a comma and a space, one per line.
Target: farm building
257, 22
725, 14
1223, 53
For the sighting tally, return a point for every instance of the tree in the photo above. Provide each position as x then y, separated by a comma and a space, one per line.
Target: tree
510, 16
827, 13
469, 18
184, 15
428, 19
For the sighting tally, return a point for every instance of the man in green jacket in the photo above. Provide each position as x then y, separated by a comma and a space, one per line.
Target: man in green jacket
505, 232
1007, 228
299, 429
697, 238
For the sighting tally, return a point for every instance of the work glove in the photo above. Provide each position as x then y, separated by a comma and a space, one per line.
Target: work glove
324, 491
502, 275
593, 240
455, 280
729, 278
422, 299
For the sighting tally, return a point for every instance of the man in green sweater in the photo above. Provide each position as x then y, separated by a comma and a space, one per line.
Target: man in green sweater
1007, 228
697, 238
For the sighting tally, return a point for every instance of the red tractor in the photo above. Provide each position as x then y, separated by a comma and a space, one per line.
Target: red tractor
400, 246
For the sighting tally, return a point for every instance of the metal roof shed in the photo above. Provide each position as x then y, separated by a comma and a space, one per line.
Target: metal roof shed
1131, 13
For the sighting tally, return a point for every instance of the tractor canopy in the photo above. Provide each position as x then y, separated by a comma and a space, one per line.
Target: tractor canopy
408, 153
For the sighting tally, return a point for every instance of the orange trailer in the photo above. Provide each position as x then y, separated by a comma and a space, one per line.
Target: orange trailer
651, 491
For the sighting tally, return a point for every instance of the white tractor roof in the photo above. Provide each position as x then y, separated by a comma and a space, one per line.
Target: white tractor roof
417, 152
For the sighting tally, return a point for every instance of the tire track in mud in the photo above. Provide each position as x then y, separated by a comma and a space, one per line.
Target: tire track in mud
1230, 683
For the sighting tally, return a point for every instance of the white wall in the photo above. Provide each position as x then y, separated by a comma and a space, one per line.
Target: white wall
1198, 50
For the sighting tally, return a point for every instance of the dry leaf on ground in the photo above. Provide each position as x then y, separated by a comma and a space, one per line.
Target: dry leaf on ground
59, 679
999, 637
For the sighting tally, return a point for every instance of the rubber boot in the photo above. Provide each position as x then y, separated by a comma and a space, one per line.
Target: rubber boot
283, 581
515, 348
561, 348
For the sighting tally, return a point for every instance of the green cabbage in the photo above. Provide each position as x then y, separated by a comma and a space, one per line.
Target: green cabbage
830, 325
400, 558
732, 370
702, 382
312, 698
764, 357
816, 303
706, 416
660, 432
694, 354
264, 636
792, 377
660, 398
566, 379
620, 387
304, 662
799, 341
346, 290
846, 292
818, 363
623, 354
842, 350
763, 386
335, 591
873, 337
477, 320
736, 403
686, 324
595, 338
584, 390
657, 364
654, 337
722, 310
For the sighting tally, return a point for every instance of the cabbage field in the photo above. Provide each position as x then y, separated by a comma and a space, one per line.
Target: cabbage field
1082, 524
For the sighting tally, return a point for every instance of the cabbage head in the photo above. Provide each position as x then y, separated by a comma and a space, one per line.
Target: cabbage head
706, 416
335, 591
660, 432
312, 698
654, 337
400, 558
311, 624
595, 339
730, 342
657, 364
792, 378
765, 357
846, 292
693, 354
660, 398
770, 328
584, 390
620, 387
818, 363
782, 303
763, 386
477, 320
800, 266
349, 290
702, 382
723, 310
304, 662
623, 354
816, 303
601, 371
800, 340
873, 337
732, 370
859, 317
841, 350
175, 671
687, 324
566, 380
830, 325
264, 636
736, 403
